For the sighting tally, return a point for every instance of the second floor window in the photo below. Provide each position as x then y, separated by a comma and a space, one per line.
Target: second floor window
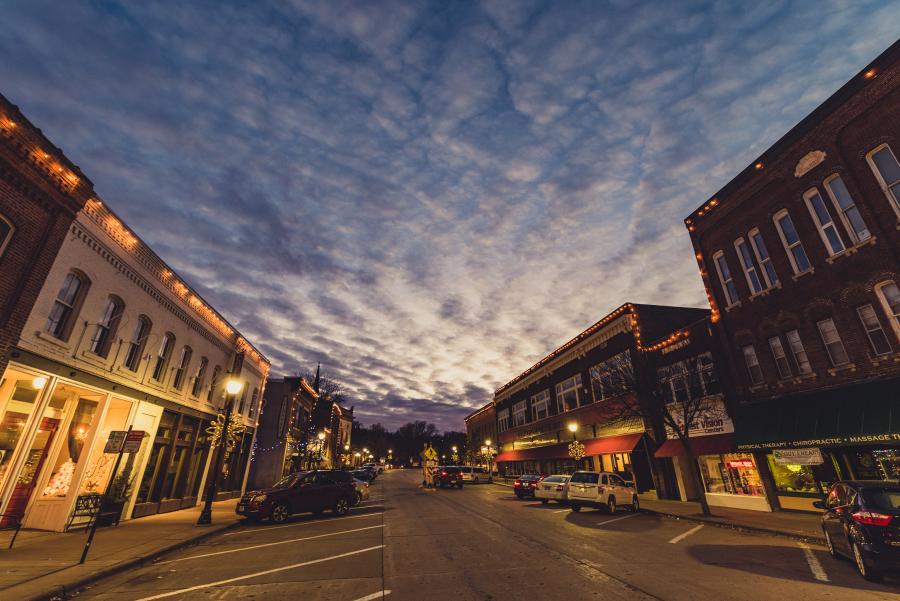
781, 362
65, 307
752, 362
886, 168
763, 257
800, 357
107, 326
847, 209
254, 399
833, 344
877, 338
503, 420
6, 232
824, 223
199, 377
568, 394
725, 279
518, 413
213, 381
162, 356
540, 405
746, 259
792, 244
136, 344
182, 366
612, 377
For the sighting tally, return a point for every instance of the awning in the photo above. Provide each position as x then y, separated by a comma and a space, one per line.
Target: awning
714, 444
594, 446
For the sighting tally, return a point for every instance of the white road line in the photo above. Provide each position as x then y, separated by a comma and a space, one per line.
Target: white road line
254, 575
563, 511
281, 542
307, 523
814, 566
684, 535
378, 595
624, 517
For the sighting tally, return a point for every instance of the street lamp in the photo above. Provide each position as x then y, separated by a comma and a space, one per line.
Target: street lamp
573, 428
232, 388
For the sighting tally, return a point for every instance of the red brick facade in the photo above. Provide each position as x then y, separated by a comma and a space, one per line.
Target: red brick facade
40, 193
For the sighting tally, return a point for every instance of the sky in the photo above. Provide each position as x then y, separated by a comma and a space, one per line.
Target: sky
426, 198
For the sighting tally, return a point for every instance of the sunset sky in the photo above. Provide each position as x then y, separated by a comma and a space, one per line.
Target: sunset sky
425, 198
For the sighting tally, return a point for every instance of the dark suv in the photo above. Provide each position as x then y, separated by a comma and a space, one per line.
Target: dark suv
313, 491
448, 475
862, 521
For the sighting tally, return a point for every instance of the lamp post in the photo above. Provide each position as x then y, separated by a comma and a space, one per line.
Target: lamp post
573, 428
232, 387
321, 437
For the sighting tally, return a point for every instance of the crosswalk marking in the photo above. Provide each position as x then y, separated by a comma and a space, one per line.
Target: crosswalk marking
684, 535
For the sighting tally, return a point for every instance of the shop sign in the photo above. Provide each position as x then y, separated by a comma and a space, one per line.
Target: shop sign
808, 456
892, 437
711, 418
133, 441
740, 463
115, 441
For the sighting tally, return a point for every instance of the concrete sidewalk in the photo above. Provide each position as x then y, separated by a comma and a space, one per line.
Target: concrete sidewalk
44, 565
784, 523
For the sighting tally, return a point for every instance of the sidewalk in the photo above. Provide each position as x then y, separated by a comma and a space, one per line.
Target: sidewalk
784, 523
43, 565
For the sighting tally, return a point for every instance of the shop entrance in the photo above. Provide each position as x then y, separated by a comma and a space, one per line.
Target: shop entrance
28, 475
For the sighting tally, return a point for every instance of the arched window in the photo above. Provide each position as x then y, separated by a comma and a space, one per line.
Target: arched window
107, 326
136, 344
6, 233
67, 304
199, 377
889, 295
254, 402
163, 355
213, 382
181, 369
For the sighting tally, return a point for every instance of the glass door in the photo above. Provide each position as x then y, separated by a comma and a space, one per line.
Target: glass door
30, 471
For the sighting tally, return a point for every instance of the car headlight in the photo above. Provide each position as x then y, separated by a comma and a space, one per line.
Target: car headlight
259, 498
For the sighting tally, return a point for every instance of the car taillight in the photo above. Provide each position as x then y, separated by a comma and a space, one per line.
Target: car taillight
517, 483
443, 473
870, 518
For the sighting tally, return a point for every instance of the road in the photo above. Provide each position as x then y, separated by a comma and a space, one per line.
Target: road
481, 544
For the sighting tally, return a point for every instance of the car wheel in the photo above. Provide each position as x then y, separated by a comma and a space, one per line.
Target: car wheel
830, 545
544, 501
280, 513
611, 505
866, 571
358, 498
576, 508
341, 506
635, 504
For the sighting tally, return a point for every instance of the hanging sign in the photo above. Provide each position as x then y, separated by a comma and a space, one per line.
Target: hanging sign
114, 443
810, 456
133, 441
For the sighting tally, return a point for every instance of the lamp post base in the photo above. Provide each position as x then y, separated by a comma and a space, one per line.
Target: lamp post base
205, 517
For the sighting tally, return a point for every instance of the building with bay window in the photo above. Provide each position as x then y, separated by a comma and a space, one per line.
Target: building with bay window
115, 340
799, 255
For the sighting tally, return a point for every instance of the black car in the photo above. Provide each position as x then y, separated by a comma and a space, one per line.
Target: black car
364, 475
313, 491
448, 475
526, 484
862, 522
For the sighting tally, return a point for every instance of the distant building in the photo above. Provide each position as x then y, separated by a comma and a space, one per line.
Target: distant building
481, 428
799, 255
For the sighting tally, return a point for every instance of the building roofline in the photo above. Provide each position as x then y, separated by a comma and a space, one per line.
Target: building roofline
475, 413
866, 75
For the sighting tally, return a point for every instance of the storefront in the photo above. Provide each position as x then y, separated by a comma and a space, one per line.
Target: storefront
810, 441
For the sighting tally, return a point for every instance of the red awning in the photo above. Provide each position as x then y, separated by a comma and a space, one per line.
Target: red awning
701, 445
593, 446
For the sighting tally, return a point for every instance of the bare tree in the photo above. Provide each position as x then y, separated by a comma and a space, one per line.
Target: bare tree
683, 397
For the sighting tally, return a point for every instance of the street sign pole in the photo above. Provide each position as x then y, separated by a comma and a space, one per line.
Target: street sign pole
112, 477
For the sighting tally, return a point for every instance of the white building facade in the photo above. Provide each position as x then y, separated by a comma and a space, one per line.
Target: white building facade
116, 340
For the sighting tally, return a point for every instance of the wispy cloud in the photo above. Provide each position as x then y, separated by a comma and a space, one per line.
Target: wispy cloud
425, 197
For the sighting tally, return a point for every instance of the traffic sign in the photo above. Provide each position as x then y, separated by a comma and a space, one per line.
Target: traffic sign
114, 443
133, 441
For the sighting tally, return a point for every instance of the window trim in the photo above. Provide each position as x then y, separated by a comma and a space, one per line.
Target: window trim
752, 234
184, 361
139, 345
788, 248
893, 201
503, 420
162, 360
197, 386
825, 343
879, 293
869, 332
577, 383
9, 235
848, 227
820, 227
729, 302
762, 376
64, 332
540, 399
748, 270
795, 352
775, 341
520, 408
105, 333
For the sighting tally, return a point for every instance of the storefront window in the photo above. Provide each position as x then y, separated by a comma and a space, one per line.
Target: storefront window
77, 434
97, 473
793, 479
732, 474
12, 426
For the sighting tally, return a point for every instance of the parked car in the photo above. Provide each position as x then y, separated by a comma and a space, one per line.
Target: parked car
313, 491
552, 488
601, 489
364, 475
374, 467
525, 485
862, 521
362, 490
448, 475
475, 474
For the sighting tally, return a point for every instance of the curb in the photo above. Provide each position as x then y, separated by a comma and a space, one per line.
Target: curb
732, 525
64, 591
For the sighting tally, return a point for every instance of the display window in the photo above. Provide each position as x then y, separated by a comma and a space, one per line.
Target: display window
23, 390
75, 434
732, 473
99, 467
804, 480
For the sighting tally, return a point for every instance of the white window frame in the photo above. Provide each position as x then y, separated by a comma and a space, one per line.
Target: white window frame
840, 341
855, 236
750, 365
798, 351
723, 282
519, 410
789, 248
541, 399
824, 227
567, 385
895, 317
750, 271
9, 235
869, 331
503, 420
764, 264
780, 356
892, 198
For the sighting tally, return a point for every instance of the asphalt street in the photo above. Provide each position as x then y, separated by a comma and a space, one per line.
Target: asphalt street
481, 543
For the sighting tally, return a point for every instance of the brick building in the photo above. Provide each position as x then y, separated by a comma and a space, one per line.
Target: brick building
799, 256
481, 431
579, 386
40, 193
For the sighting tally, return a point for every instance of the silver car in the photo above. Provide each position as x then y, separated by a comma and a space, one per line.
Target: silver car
553, 488
362, 491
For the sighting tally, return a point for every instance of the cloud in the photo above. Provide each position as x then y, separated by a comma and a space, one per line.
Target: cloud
425, 197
